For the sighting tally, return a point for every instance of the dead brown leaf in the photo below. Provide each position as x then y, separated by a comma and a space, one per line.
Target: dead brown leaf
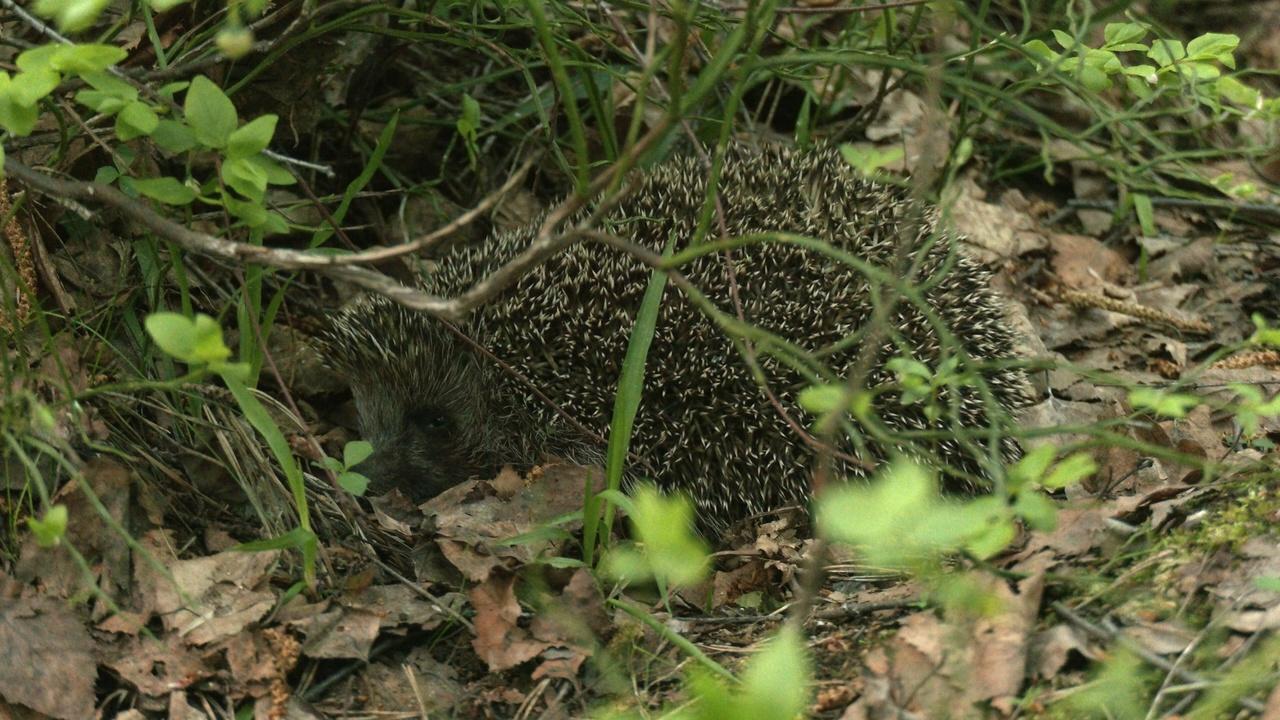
499, 641
49, 665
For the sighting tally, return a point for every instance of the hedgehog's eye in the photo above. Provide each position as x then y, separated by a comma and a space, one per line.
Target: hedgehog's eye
429, 418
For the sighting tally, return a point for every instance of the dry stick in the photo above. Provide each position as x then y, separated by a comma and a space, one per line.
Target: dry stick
1082, 299
237, 252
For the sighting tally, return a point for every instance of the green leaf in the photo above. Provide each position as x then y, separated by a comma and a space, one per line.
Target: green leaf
1031, 468
99, 101
15, 117
191, 341
663, 527
163, 5
50, 529
1073, 468
822, 399
1237, 93
234, 41
111, 85
86, 58
1123, 33
356, 452
71, 15
106, 175
1146, 214
1263, 333
170, 89
776, 683
40, 57
165, 189
868, 160
173, 136
252, 138
1041, 53
245, 178
29, 88
276, 175
1065, 40
1037, 509
353, 482
209, 112
251, 213
1166, 52
1094, 79
1214, 46
137, 119
1165, 404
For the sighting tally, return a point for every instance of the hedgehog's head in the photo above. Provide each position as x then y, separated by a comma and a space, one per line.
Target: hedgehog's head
420, 394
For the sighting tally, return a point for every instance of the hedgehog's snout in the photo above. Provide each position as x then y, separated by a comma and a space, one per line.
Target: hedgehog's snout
416, 450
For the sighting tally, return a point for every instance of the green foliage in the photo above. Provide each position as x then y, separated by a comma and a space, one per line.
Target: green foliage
1264, 334
666, 547
198, 342
1161, 402
1196, 63
50, 529
774, 686
1118, 690
353, 453
901, 520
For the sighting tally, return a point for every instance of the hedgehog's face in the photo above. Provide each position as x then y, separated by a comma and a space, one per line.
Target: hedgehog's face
420, 396
419, 448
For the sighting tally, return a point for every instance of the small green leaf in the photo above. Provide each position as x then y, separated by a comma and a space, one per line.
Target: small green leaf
111, 85
165, 189
86, 58
188, 340
174, 136
1263, 333
1065, 40
136, 119
1166, 52
40, 57
868, 160
1237, 93
1071, 470
1032, 467
29, 88
252, 138
1041, 52
1123, 33
234, 42
1166, 404
15, 117
209, 112
353, 482
106, 175
822, 399
50, 529
1094, 79
356, 452
1146, 214
71, 15
1037, 509
245, 178
776, 683
276, 175
99, 101
1214, 46
251, 213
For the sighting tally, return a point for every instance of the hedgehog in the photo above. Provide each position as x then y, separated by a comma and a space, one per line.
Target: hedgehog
532, 374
